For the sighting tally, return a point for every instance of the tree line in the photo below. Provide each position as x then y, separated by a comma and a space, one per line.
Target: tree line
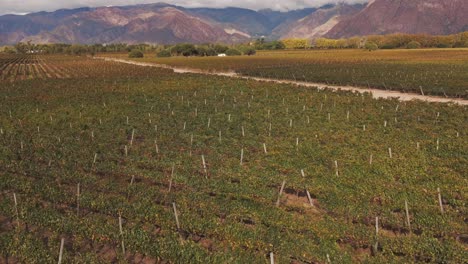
372, 42
391, 41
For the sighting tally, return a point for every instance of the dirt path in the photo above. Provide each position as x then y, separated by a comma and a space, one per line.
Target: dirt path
376, 93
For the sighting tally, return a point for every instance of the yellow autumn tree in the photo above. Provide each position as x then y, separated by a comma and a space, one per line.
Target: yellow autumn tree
296, 43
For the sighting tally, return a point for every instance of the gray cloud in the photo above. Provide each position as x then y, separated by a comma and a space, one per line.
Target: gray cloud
27, 6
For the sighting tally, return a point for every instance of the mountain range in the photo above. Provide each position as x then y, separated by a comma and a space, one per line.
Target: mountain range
168, 24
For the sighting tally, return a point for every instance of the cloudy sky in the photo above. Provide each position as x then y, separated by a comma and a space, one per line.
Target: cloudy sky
27, 6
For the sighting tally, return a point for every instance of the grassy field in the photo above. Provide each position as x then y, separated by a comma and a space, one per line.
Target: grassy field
442, 72
140, 165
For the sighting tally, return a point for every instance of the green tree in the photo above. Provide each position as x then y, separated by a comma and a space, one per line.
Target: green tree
233, 52
205, 51
164, 54
371, 46
249, 51
185, 49
22, 47
220, 48
413, 45
136, 54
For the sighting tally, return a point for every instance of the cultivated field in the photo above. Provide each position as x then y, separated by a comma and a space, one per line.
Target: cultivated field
442, 72
132, 164
26, 67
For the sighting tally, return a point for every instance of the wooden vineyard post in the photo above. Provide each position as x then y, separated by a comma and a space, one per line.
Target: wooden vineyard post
204, 166
220, 136
309, 198
156, 146
408, 223
377, 226
371, 159
172, 178
62, 243
16, 209
265, 148
390, 152
126, 151
302, 173
440, 201
242, 157
272, 258
133, 136
176, 215
121, 234
78, 199
336, 168
376, 245
280, 193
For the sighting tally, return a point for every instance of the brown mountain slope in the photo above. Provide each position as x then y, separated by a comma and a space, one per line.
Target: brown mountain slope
164, 24
170, 25
318, 23
438, 17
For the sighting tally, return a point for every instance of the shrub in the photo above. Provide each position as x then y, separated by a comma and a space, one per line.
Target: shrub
443, 45
233, 52
388, 46
371, 46
273, 45
249, 51
135, 54
413, 45
164, 54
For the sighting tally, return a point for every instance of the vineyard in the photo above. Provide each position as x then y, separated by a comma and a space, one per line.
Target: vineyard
431, 72
102, 162
28, 67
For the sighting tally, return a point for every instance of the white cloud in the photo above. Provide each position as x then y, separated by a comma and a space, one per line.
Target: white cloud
27, 6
